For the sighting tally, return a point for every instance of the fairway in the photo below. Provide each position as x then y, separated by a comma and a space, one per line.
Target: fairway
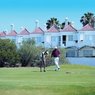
69, 80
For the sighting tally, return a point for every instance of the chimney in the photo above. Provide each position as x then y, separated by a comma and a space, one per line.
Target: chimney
22, 28
12, 27
37, 23
72, 23
66, 21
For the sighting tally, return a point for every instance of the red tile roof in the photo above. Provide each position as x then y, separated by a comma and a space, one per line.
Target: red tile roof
24, 32
12, 33
54, 28
88, 28
3, 33
68, 28
38, 30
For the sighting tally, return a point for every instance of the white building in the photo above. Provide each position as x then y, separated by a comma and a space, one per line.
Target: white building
68, 37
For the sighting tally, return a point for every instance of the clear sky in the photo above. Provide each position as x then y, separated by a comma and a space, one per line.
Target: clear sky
25, 12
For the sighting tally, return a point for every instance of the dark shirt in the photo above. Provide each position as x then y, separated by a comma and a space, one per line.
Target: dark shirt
55, 53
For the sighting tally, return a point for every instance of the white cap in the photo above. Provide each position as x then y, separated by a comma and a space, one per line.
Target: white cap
56, 47
42, 52
47, 52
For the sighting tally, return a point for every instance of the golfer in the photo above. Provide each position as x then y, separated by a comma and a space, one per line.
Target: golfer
56, 54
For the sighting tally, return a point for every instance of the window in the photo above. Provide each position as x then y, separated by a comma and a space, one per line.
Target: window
70, 37
55, 40
64, 40
39, 40
81, 37
59, 41
88, 53
70, 53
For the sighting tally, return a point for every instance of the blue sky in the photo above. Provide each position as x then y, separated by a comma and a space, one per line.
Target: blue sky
25, 12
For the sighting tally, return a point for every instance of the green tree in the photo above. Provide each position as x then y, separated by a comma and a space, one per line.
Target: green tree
8, 52
29, 53
51, 22
88, 18
63, 59
55, 21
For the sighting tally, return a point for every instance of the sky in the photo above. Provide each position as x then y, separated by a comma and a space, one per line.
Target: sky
24, 13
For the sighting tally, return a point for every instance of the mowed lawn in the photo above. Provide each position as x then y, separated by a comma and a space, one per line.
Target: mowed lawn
69, 80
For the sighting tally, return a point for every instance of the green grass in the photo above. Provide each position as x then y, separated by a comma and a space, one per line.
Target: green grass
70, 80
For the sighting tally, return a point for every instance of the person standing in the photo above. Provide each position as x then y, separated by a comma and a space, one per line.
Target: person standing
43, 61
56, 54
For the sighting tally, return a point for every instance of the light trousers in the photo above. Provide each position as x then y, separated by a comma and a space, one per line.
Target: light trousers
56, 61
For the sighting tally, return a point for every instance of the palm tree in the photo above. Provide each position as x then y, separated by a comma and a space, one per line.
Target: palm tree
88, 18
51, 22
64, 23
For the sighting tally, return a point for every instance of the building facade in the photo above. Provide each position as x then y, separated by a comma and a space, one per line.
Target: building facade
75, 41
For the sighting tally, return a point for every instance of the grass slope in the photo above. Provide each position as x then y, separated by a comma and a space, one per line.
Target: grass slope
70, 80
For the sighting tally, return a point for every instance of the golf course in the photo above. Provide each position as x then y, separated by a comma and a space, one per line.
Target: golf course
69, 80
